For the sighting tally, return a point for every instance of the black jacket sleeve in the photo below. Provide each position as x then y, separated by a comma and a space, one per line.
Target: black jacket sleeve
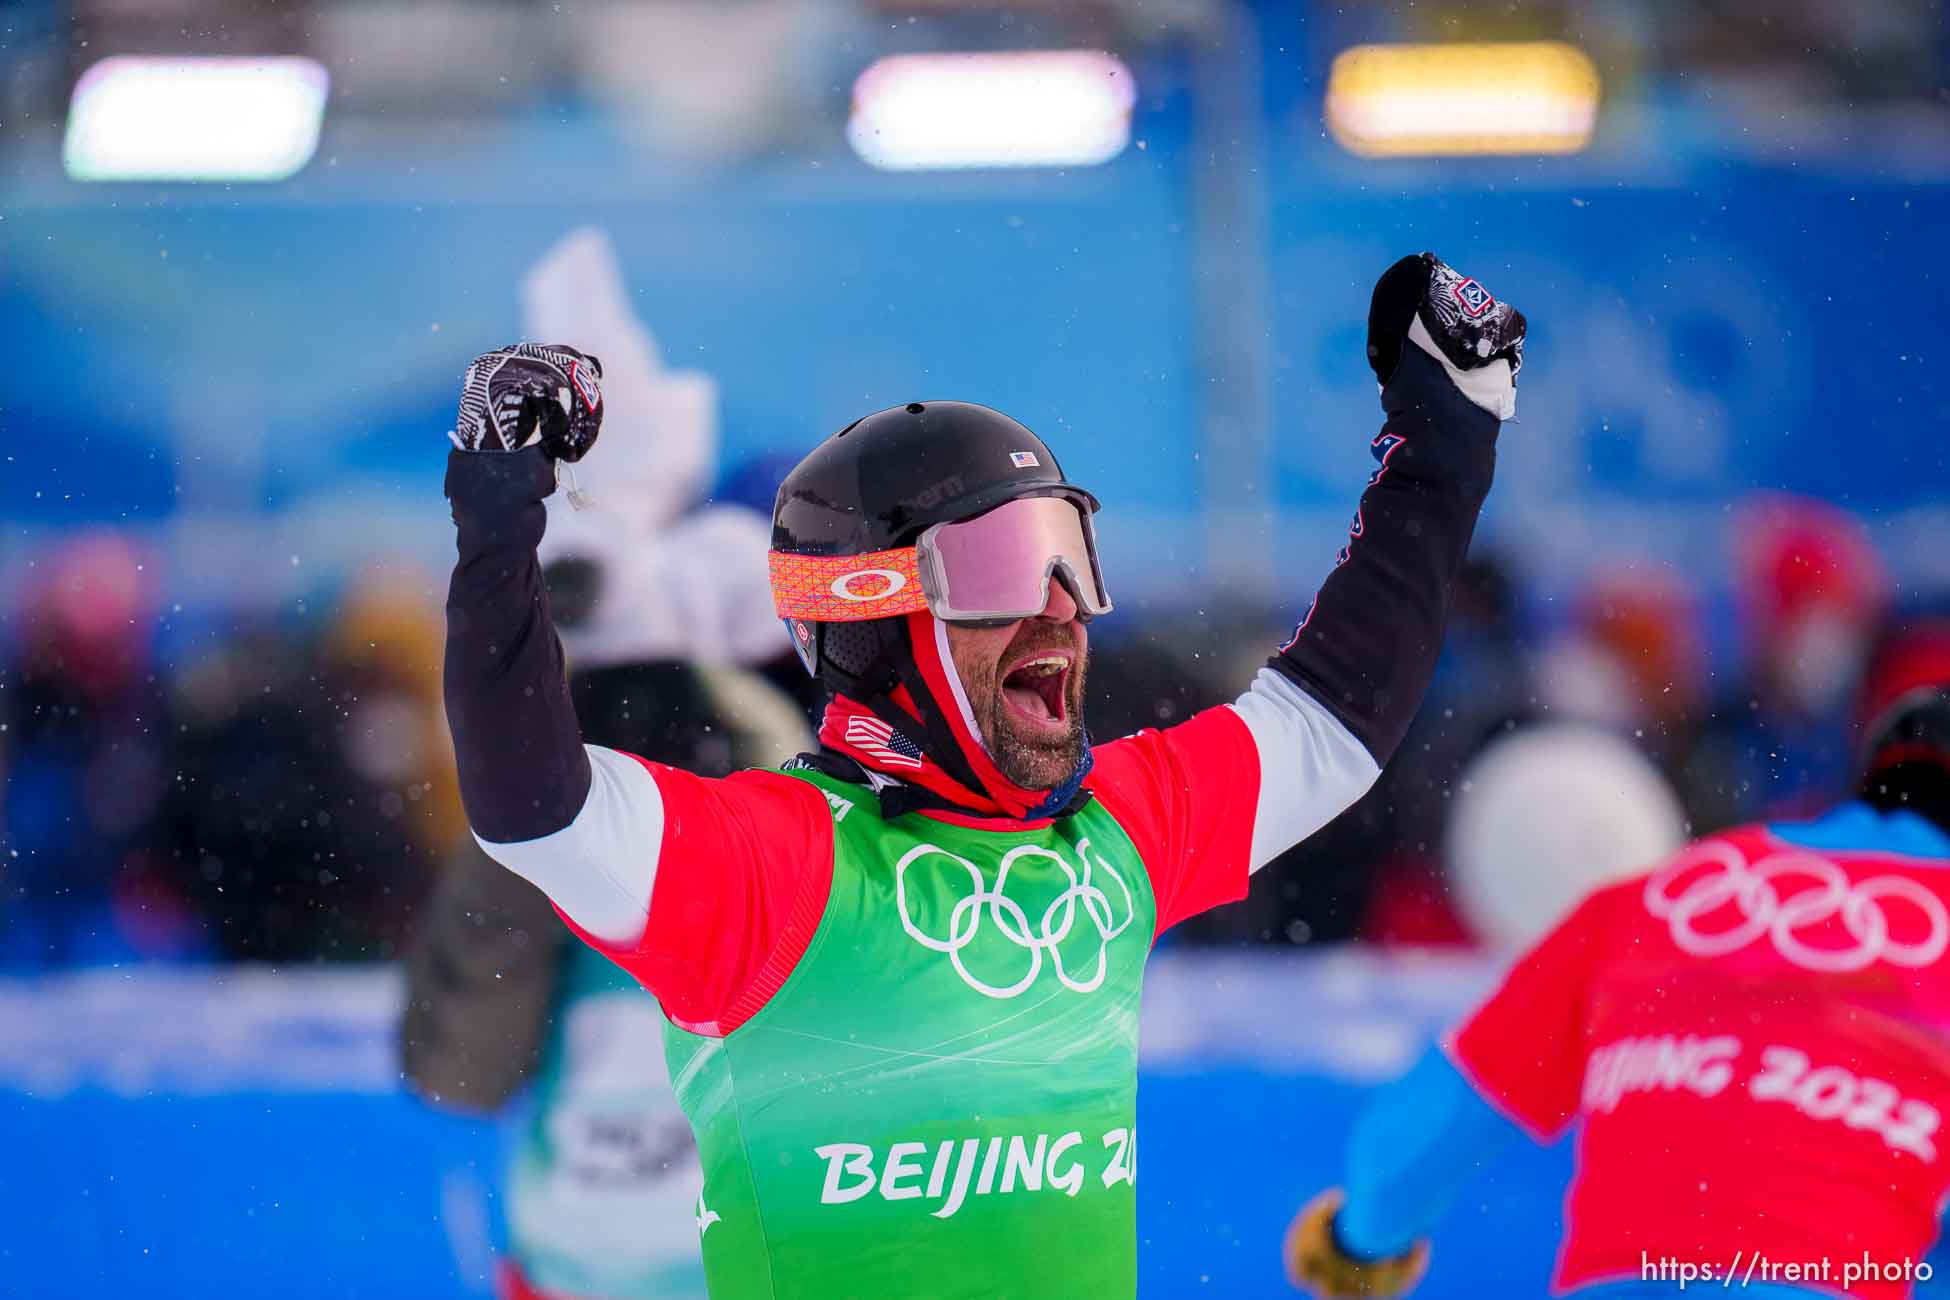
523, 772
1367, 648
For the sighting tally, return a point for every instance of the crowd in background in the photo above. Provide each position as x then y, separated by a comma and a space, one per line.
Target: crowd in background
280, 792
283, 790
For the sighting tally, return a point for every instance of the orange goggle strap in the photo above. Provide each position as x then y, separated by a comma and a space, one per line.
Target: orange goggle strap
842, 588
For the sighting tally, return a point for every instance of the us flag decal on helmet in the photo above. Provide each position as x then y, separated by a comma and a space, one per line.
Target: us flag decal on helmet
584, 378
1024, 460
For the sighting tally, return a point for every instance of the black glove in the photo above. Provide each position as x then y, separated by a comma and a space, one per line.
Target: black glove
528, 393
1453, 318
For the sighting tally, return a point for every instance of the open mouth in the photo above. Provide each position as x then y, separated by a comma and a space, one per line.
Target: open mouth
1037, 689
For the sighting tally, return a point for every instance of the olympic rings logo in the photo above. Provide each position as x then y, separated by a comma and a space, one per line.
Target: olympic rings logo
1081, 901
1749, 888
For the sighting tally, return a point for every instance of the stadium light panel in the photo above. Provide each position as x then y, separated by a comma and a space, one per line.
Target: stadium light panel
144, 118
1029, 108
1527, 97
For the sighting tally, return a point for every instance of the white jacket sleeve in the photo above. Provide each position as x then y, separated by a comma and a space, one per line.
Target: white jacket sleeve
1311, 767
599, 869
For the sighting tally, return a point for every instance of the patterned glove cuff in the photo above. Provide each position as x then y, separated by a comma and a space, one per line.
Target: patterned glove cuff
1492, 386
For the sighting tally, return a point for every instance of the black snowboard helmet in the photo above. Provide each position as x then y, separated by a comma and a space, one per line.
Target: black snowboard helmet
1908, 755
878, 484
1904, 712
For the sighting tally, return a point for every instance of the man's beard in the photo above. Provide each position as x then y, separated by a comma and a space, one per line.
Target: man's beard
1034, 762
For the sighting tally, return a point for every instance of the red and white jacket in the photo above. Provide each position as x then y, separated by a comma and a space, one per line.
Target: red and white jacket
709, 890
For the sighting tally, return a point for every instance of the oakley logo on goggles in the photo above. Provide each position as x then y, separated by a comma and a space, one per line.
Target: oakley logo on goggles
996, 566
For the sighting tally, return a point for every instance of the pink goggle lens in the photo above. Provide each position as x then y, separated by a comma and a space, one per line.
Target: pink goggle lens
998, 565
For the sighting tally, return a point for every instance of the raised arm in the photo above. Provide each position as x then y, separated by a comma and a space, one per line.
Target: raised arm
1446, 354
705, 890
523, 772
1214, 799
583, 824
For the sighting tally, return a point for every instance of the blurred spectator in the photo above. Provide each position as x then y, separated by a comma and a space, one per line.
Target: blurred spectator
1911, 651
316, 788
1810, 591
1374, 871
659, 600
626, 570
84, 740
1634, 661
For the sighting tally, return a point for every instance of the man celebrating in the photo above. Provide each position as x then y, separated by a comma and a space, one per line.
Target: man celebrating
1751, 1036
902, 975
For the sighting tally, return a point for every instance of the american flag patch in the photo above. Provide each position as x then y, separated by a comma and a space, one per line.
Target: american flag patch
1024, 460
876, 739
584, 379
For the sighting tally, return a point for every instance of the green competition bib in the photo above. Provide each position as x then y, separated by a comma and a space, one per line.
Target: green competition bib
941, 1100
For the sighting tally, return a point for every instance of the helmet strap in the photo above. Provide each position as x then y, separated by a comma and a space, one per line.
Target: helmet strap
877, 668
858, 660
872, 684
940, 740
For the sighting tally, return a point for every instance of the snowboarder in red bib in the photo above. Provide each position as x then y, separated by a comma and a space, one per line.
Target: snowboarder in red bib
902, 974
1750, 1039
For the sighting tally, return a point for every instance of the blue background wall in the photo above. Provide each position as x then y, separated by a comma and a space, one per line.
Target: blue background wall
1699, 331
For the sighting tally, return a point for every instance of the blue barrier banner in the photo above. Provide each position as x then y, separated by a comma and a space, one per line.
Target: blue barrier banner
244, 1132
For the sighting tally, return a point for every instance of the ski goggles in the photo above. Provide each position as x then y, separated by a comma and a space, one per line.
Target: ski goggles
994, 568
